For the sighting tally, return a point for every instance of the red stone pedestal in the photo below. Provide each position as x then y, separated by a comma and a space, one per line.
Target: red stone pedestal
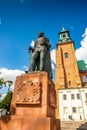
29, 123
33, 104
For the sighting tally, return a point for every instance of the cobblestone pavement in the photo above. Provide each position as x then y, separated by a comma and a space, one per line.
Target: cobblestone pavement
71, 125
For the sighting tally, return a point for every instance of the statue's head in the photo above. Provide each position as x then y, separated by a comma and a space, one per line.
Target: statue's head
40, 34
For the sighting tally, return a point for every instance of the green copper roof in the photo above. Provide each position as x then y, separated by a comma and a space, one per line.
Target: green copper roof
64, 35
82, 65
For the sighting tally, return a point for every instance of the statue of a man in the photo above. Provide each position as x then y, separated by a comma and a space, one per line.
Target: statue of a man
40, 58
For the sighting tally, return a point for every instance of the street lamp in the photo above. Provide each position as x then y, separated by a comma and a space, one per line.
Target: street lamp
1, 113
9, 84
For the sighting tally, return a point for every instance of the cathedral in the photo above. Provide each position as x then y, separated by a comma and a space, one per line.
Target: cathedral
70, 81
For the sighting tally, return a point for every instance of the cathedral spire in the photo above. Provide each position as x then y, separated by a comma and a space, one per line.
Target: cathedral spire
63, 29
64, 35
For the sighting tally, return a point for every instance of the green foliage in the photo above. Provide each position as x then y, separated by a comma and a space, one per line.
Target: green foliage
2, 82
5, 103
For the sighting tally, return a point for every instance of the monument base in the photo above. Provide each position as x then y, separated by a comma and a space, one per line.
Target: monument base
33, 104
29, 123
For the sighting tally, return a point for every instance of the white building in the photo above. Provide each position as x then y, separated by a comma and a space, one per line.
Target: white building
73, 104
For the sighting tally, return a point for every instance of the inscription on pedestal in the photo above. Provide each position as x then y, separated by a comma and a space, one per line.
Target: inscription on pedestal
29, 93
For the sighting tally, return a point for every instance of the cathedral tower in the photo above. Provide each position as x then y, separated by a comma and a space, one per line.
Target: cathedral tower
67, 74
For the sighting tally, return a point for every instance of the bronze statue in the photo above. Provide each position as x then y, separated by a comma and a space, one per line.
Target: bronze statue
40, 57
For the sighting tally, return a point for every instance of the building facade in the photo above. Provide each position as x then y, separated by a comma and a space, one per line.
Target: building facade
73, 104
68, 78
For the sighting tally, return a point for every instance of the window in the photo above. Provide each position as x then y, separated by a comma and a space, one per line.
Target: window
72, 96
64, 35
64, 96
66, 55
84, 79
78, 96
74, 109
69, 83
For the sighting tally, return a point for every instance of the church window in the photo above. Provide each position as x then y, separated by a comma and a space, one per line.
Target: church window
66, 55
69, 83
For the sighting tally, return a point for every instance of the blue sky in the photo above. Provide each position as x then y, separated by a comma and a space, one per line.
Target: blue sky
21, 20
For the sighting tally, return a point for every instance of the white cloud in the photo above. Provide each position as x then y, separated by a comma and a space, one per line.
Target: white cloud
32, 44
81, 53
53, 55
8, 74
52, 65
53, 58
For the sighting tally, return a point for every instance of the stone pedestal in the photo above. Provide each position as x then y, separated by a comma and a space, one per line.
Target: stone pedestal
33, 104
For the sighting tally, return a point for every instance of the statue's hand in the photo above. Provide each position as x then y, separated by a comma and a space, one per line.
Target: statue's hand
49, 45
30, 49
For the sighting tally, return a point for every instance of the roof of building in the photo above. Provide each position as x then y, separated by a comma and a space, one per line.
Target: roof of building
82, 65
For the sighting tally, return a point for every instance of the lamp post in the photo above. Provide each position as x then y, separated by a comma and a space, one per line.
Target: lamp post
1, 113
9, 84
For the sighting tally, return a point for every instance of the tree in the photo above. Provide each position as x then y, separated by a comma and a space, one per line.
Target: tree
2, 82
5, 103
